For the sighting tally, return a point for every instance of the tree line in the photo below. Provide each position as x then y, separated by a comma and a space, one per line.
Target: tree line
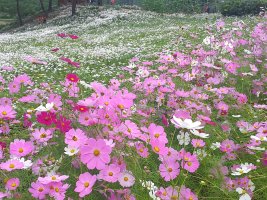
46, 10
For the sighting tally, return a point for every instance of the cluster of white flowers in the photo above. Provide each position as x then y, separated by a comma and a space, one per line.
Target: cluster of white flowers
150, 186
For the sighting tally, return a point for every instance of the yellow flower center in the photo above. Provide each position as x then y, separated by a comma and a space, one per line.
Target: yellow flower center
174, 197
126, 178
86, 184
170, 170
43, 135
96, 152
110, 174
120, 106
157, 135
4, 113
156, 149
189, 164
13, 184
21, 150
72, 150
74, 138
54, 178
11, 166
41, 189
57, 189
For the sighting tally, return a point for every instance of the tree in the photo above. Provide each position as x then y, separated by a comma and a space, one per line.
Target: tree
50, 6
42, 7
73, 10
100, 2
19, 15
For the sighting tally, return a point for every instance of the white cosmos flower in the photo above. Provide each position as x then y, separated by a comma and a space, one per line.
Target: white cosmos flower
243, 169
256, 148
236, 116
131, 66
183, 138
243, 193
187, 123
263, 138
215, 145
45, 108
199, 134
70, 151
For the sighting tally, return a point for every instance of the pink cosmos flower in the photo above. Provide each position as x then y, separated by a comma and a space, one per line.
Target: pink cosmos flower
85, 184
187, 194
159, 147
38, 190
21, 148
110, 173
12, 184
11, 165
157, 133
58, 190
35, 60
168, 193
198, 143
228, 146
264, 159
23, 79
13, 87
142, 150
52, 179
169, 170
7, 112
42, 135
56, 100
95, 154
190, 162
75, 138
126, 179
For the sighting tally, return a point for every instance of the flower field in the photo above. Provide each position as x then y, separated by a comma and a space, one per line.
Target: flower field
126, 104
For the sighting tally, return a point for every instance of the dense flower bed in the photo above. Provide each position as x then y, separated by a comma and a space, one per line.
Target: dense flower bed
178, 125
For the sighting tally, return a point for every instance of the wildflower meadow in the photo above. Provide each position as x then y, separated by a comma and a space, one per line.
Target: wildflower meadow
125, 104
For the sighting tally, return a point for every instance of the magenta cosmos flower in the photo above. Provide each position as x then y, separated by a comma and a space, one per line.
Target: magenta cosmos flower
169, 170
7, 112
85, 184
72, 78
38, 190
75, 138
21, 148
95, 154
46, 118
110, 173
11, 165
12, 184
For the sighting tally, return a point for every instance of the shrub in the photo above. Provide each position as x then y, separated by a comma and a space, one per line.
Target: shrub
241, 7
